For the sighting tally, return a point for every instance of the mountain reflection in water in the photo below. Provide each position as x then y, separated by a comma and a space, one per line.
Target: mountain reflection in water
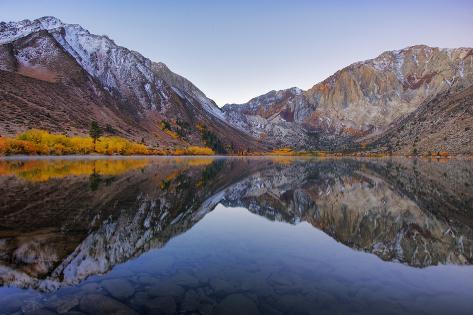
211, 236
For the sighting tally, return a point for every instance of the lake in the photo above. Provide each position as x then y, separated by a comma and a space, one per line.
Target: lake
210, 235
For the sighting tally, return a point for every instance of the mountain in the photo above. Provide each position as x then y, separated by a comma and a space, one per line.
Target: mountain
59, 77
360, 100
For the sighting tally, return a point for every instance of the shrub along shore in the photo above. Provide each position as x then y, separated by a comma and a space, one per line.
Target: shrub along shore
40, 142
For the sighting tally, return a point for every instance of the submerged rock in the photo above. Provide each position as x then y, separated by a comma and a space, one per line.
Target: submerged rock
236, 304
191, 301
102, 305
119, 288
65, 304
165, 289
164, 305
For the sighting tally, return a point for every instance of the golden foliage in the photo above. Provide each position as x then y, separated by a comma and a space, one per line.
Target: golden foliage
200, 127
117, 145
42, 142
291, 152
171, 133
42, 170
10, 146
166, 127
283, 151
192, 150
200, 161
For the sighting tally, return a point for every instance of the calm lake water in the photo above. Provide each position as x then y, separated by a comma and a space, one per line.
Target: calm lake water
236, 236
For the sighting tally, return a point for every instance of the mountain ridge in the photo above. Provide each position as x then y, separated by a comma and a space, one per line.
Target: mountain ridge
90, 77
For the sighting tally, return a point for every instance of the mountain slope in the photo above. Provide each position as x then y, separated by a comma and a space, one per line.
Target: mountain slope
361, 99
442, 124
122, 88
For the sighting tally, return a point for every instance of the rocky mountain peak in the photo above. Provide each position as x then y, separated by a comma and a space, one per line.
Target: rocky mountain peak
358, 100
10, 31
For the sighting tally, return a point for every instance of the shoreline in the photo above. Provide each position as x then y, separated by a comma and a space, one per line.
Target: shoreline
268, 155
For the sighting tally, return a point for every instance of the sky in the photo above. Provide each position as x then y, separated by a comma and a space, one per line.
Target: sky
236, 50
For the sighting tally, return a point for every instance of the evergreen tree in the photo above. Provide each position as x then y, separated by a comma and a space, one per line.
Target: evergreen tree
95, 131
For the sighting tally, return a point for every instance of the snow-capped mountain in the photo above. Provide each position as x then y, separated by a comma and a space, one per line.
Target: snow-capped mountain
359, 100
120, 70
141, 93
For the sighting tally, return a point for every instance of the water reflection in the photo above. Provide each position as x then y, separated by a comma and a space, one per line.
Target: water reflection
204, 235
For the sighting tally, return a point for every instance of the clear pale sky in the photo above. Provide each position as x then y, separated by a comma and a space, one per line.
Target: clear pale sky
236, 50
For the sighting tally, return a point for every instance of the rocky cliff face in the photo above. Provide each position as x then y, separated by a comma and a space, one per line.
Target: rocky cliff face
118, 87
276, 117
361, 99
